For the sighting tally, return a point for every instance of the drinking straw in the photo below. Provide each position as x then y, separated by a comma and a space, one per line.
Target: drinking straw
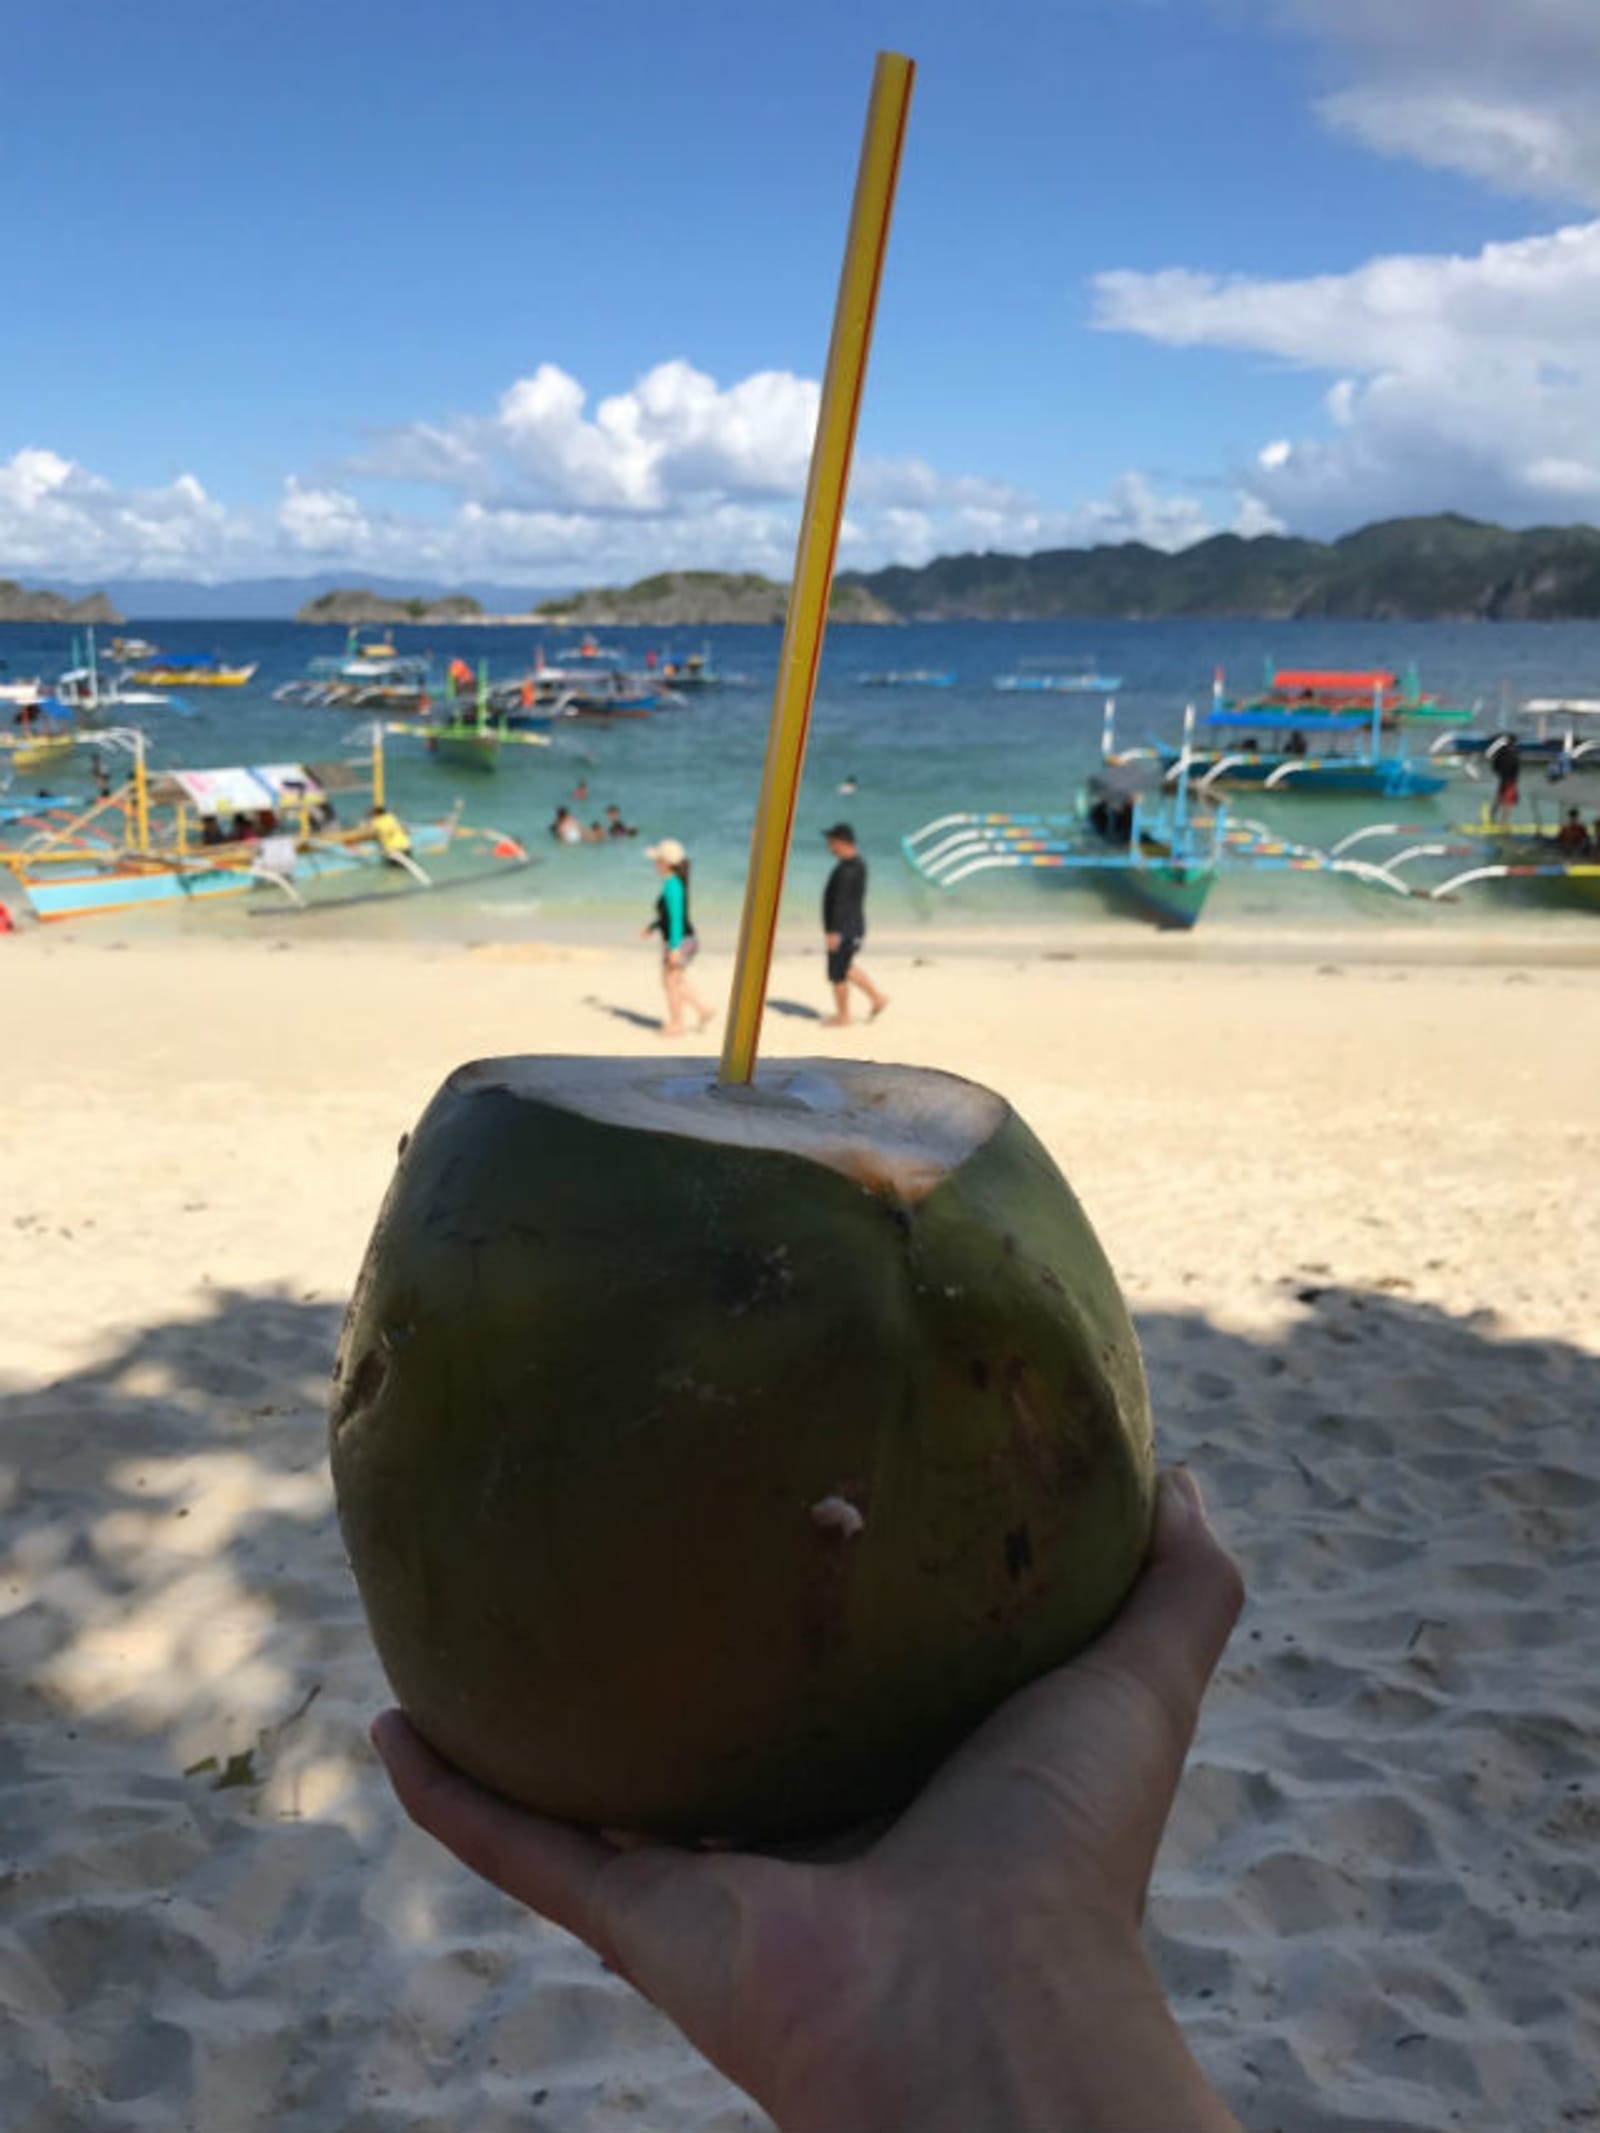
842, 383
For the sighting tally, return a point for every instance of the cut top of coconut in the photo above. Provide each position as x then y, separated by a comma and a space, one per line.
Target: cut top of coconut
896, 1129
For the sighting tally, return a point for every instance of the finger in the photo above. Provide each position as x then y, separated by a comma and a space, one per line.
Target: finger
1140, 1684
551, 1867
1178, 1618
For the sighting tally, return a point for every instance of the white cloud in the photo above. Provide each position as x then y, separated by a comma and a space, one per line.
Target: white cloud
1135, 510
1509, 93
1465, 382
1518, 304
1469, 382
58, 517
675, 434
679, 471
322, 521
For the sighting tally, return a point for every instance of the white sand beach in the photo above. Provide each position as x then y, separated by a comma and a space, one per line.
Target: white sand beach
1354, 1207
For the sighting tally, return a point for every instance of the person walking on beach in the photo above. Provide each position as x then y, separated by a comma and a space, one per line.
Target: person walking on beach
679, 944
844, 924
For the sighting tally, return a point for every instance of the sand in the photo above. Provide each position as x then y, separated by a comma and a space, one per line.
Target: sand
1355, 1211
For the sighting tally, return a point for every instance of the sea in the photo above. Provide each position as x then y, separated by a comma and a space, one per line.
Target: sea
886, 760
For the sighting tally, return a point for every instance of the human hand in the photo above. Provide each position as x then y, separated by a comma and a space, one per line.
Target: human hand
976, 1970
832, 940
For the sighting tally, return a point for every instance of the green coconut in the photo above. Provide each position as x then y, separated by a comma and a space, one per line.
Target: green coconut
712, 1460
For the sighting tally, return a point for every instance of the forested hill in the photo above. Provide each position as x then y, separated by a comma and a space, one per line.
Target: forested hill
692, 598
1408, 569
19, 603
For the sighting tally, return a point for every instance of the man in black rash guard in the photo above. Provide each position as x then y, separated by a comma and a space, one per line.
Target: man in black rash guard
844, 922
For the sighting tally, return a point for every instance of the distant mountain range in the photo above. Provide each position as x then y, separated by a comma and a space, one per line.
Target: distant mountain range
274, 599
1447, 568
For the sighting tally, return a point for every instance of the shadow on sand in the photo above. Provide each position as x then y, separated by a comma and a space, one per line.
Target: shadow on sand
631, 1015
1413, 1497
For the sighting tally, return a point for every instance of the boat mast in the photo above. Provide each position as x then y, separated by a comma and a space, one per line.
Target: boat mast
141, 796
1180, 808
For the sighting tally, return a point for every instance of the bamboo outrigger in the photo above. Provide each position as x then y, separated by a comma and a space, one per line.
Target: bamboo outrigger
1153, 852
187, 836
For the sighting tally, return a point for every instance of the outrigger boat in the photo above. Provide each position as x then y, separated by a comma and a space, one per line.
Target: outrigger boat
1340, 689
1525, 861
193, 674
196, 835
1363, 771
1562, 732
84, 691
587, 653
362, 677
41, 735
46, 726
910, 678
693, 671
470, 739
1084, 682
1154, 853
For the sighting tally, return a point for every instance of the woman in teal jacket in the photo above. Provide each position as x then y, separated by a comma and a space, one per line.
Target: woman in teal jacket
678, 943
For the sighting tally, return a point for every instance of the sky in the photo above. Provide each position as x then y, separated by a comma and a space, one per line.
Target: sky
539, 294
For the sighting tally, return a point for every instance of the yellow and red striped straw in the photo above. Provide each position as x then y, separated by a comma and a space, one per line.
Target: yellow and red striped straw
842, 384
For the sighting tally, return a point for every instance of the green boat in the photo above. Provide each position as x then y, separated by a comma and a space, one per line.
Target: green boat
465, 744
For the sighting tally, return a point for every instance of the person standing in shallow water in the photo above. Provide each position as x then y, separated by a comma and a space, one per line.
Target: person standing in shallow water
844, 924
679, 945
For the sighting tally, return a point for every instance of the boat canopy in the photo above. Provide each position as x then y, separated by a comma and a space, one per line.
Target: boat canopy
1328, 679
242, 790
1275, 718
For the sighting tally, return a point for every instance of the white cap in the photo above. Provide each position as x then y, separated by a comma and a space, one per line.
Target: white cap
669, 851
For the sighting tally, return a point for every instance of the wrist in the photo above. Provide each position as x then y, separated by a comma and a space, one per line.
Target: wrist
1089, 2046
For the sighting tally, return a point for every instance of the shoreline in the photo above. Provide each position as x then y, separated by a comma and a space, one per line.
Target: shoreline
1572, 943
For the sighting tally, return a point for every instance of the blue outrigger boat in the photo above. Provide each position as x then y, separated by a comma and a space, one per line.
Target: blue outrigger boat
1148, 851
1366, 771
1083, 684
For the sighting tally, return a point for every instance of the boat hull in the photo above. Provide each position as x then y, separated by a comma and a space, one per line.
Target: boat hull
136, 885
465, 751
38, 755
1171, 897
1387, 778
193, 677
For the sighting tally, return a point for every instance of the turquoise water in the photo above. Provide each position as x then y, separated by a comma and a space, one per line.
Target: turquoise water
914, 753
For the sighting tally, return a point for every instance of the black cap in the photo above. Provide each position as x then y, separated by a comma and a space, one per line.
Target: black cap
842, 830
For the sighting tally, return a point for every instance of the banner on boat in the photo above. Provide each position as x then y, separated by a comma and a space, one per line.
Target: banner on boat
243, 791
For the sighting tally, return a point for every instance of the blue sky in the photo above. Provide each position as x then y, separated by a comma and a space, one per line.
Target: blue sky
540, 294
